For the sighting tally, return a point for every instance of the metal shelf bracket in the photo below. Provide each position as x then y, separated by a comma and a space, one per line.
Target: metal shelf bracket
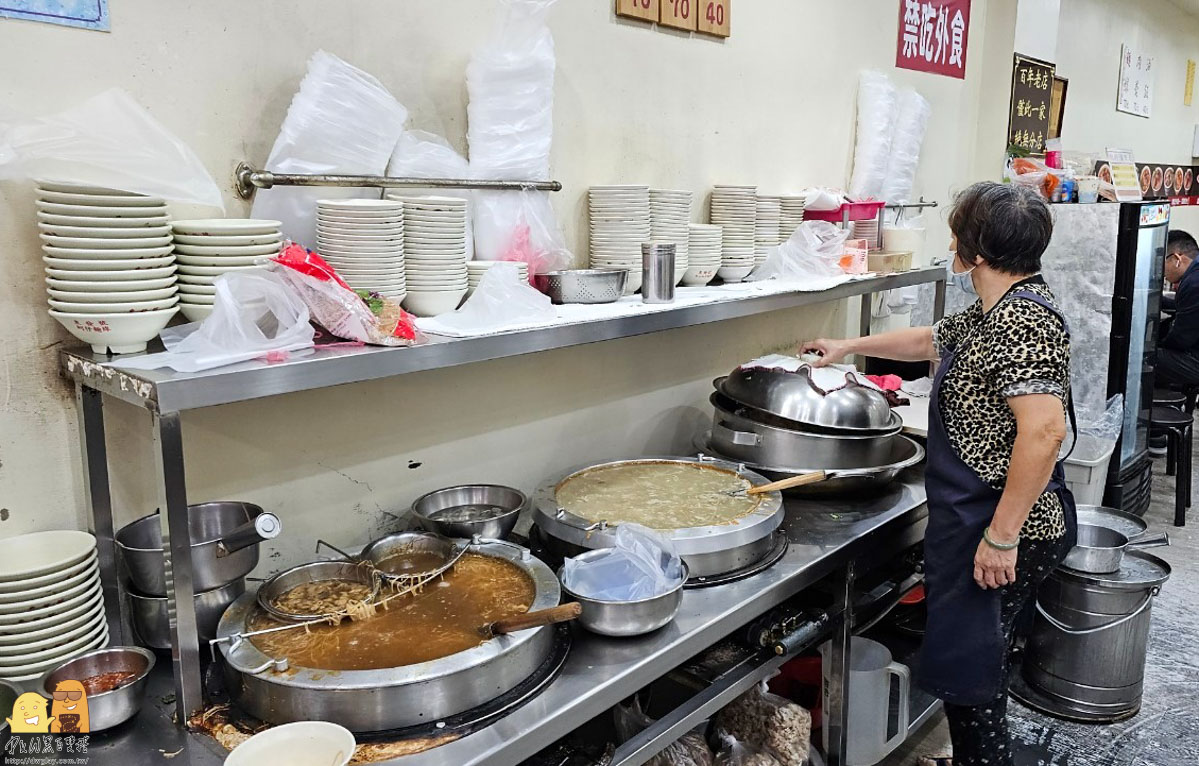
247, 179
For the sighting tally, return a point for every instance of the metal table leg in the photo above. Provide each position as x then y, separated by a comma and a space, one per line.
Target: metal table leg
176, 543
836, 712
938, 299
97, 497
865, 314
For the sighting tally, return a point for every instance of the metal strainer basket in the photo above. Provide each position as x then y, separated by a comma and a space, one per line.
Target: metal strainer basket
583, 285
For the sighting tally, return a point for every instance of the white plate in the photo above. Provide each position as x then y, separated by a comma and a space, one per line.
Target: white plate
60, 635
105, 232
11, 623
40, 553
196, 300
112, 308
186, 289
230, 250
104, 254
355, 272
195, 313
80, 220
433, 202
223, 240
221, 260
101, 243
120, 333
124, 296
357, 204
114, 264
116, 200
124, 276
20, 585
65, 584
53, 626
359, 216
230, 226
194, 279
100, 211
212, 271
38, 661
29, 606
342, 230
359, 239
54, 185
345, 220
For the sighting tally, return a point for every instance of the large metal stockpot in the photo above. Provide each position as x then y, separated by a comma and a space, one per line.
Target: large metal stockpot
708, 551
389, 698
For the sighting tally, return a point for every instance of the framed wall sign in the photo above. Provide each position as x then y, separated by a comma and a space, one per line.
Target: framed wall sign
1135, 95
933, 36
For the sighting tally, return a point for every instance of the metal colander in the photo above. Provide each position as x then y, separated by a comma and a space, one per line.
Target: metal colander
583, 285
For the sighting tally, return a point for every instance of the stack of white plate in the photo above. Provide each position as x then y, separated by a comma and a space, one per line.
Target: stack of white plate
209, 247
669, 215
735, 209
476, 269
363, 239
867, 230
51, 605
704, 254
434, 253
766, 227
109, 268
620, 222
790, 214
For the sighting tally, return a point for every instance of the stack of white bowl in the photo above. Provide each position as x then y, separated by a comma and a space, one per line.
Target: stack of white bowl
434, 253
735, 209
363, 239
209, 247
704, 253
476, 269
766, 227
669, 215
109, 268
51, 604
619, 223
791, 208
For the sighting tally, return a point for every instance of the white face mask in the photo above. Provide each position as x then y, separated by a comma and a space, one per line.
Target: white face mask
960, 279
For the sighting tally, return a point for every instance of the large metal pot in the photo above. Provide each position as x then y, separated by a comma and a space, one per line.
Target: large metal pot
225, 537
389, 698
707, 551
154, 628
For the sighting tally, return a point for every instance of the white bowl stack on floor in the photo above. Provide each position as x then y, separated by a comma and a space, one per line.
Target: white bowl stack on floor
51, 604
766, 227
669, 216
791, 208
735, 210
867, 230
363, 239
476, 269
704, 254
109, 268
619, 223
434, 254
209, 247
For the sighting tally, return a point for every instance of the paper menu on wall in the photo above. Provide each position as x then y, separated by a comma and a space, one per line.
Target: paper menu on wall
87, 14
1124, 175
1135, 95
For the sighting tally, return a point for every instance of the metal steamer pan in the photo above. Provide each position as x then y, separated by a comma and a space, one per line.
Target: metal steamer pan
390, 698
707, 551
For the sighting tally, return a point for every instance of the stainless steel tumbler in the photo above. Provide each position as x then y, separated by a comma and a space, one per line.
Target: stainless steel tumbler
657, 272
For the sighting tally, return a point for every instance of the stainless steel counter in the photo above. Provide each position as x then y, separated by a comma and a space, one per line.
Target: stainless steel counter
826, 537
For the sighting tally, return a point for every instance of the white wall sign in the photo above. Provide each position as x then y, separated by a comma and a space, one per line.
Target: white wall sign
1136, 83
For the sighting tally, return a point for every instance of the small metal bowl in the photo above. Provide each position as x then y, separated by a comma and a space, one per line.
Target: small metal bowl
111, 708
490, 510
583, 285
626, 618
315, 571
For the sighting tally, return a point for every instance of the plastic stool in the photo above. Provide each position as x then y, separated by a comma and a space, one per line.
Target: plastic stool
1178, 426
1166, 397
1189, 393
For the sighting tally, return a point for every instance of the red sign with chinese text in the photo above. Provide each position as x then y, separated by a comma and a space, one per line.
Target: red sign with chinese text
933, 36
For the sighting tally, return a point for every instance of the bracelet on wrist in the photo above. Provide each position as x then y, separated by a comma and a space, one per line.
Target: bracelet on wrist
998, 545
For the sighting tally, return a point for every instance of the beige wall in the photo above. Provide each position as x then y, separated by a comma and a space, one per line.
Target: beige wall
774, 105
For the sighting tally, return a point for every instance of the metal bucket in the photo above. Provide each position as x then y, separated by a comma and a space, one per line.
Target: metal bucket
1087, 651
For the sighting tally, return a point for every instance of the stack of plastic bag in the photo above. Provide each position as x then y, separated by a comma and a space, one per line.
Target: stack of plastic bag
876, 126
641, 564
911, 122
341, 121
814, 250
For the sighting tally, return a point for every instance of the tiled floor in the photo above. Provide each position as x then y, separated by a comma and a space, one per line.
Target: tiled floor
1166, 731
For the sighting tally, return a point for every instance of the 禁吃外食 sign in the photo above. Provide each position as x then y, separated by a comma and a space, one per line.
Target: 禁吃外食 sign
933, 36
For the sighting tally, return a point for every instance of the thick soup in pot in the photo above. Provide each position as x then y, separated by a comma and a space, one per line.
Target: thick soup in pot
659, 495
443, 619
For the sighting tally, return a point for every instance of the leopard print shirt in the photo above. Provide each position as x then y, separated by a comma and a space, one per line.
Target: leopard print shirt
1017, 348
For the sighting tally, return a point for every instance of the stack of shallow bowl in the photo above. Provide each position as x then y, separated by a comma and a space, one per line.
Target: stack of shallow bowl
670, 215
620, 222
735, 209
434, 253
363, 239
476, 269
867, 230
704, 254
790, 214
766, 227
109, 268
51, 605
209, 247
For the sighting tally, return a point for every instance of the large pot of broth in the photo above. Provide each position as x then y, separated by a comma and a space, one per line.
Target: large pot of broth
421, 659
692, 501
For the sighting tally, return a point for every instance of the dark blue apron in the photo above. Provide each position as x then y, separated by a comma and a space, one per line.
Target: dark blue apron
963, 657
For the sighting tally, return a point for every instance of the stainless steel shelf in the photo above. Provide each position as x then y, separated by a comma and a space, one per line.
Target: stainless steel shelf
166, 391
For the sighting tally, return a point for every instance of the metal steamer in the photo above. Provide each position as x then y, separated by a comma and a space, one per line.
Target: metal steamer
707, 551
389, 698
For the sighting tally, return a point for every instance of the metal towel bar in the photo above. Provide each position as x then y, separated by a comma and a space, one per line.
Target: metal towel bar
248, 178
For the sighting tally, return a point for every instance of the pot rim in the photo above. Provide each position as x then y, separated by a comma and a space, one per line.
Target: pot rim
607, 602
253, 509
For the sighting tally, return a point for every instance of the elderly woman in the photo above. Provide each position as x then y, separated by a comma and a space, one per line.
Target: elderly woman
1000, 517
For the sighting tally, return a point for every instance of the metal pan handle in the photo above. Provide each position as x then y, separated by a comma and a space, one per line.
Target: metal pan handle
1146, 540
741, 438
265, 526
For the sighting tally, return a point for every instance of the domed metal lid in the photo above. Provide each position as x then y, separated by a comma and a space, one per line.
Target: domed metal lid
795, 396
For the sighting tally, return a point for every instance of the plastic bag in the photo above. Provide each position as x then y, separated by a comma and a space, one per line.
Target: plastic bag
733, 752
519, 226
911, 122
769, 723
254, 313
1031, 172
334, 306
876, 125
1097, 431
419, 154
640, 565
341, 120
501, 298
691, 749
108, 140
814, 250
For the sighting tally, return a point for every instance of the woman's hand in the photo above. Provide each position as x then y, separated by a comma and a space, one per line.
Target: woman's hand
831, 351
994, 568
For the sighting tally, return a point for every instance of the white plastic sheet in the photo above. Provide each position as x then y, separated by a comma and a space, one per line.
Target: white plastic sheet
911, 122
108, 140
501, 299
642, 564
420, 154
814, 250
876, 126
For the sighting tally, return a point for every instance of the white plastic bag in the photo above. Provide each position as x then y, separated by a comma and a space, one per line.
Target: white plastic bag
108, 140
341, 120
419, 154
640, 565
502, 298
255, 313
814, 250
734, 752
876, 125
519, 226
911, 122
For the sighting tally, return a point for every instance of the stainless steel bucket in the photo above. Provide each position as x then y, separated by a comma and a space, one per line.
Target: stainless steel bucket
151, 623
1087, 650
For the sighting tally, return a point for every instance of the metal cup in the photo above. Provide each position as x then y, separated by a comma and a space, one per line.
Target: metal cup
657, 272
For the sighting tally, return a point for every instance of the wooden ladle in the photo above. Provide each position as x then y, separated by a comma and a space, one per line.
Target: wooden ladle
799, 480
562, 613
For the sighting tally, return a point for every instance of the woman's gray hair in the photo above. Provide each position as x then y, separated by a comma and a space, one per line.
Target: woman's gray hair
1007, 226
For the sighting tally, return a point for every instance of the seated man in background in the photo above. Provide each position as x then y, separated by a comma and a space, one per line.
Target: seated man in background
1178, 351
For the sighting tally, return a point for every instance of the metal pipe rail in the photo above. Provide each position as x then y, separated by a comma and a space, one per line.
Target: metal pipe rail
248, 178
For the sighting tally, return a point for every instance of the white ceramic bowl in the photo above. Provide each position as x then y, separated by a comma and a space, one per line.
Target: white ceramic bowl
79, 231
236, 251
222, 240
304, 743
83, 264
93, 254
64, 634
428, 304
46, 614
112, 308
103, 243
40, 553
193, 299
734, 273
101, 211
118, 276
97, 196
31, 606
35, 662
62, 586
54, 627
212, 271
120, 333
24, 583
186, 289
103, 221
128, 296
195, 279
227, 226
195, 312
221, 260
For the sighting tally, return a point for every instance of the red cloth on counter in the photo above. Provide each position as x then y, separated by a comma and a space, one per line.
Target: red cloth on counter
886, 382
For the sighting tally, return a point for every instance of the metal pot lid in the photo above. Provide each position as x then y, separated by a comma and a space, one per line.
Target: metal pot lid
724, 405
794, 396
564, 525
1128, 524
1139, 571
